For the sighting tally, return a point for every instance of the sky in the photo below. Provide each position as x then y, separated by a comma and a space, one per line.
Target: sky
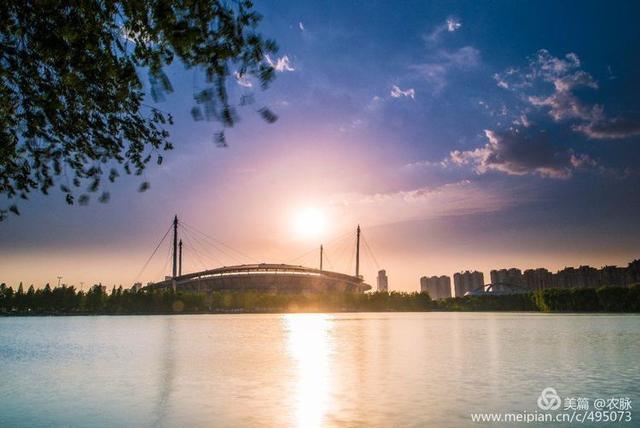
459, 135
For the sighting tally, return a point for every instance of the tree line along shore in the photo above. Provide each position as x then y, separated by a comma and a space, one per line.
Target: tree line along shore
66, 300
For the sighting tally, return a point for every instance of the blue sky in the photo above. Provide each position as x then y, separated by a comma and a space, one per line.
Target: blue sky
461, 135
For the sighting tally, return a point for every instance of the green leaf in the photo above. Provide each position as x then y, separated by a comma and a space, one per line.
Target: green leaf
144, 186
82, 101
268, 115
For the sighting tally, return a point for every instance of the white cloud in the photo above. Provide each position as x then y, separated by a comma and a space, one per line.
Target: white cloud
564, 105
353, 124
440, 65
500, 81
396, 92
280, 64
566, 75
453, 24
434, 73
467, 56
424, 164
604, 129
456, 198
242, 80
523, 120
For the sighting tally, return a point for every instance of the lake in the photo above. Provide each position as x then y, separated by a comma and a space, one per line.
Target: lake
310, 370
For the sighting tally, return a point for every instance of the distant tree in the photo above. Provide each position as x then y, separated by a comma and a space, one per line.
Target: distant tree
19, 298
3, 298
72, 109
633, 302
30, 298
613, 299
7, 298
46, 298
65, 300
96, 298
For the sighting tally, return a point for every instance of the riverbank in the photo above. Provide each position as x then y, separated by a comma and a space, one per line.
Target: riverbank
68, 301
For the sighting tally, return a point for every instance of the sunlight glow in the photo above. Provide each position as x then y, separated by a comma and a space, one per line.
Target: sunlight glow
310, 347
310, 223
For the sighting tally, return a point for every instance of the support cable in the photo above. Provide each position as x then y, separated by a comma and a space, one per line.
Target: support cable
301, 256
326, 260
152, 254
366, 244
166, 262
203, 246
353, 256
220, 242
342, 253
196, 253
315, 248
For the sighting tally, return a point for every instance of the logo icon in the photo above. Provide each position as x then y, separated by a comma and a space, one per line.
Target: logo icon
549, 399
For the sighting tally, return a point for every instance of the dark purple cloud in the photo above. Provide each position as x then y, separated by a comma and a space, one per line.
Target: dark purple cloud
610, 128
518, 153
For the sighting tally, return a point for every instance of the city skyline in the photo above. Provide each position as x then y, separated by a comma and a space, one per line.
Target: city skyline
457, 135
583, 276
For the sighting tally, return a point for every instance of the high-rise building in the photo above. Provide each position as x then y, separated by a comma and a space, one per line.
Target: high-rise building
444, 287
588, 277
511, 276
614, 275
438, 287
536, 279
633, 272
424, 285
467, 281
540, 278
570, 277
383, 281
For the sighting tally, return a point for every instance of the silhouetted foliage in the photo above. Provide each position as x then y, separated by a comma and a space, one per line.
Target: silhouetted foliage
510, 302
66, 300
603, 299
71, 97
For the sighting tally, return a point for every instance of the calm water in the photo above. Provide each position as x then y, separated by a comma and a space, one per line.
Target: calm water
307, 370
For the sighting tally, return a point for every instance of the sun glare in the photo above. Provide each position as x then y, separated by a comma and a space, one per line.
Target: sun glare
310, 346
310, 223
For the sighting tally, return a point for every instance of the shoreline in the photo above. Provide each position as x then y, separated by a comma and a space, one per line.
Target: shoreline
66, 301
89, 314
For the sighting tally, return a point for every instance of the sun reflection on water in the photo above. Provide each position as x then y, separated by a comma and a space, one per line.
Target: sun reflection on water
309, 344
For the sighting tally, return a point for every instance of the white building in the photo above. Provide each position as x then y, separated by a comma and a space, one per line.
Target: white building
468, 281
438, 287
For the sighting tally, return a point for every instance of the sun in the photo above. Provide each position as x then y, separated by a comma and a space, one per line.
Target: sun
310, 222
